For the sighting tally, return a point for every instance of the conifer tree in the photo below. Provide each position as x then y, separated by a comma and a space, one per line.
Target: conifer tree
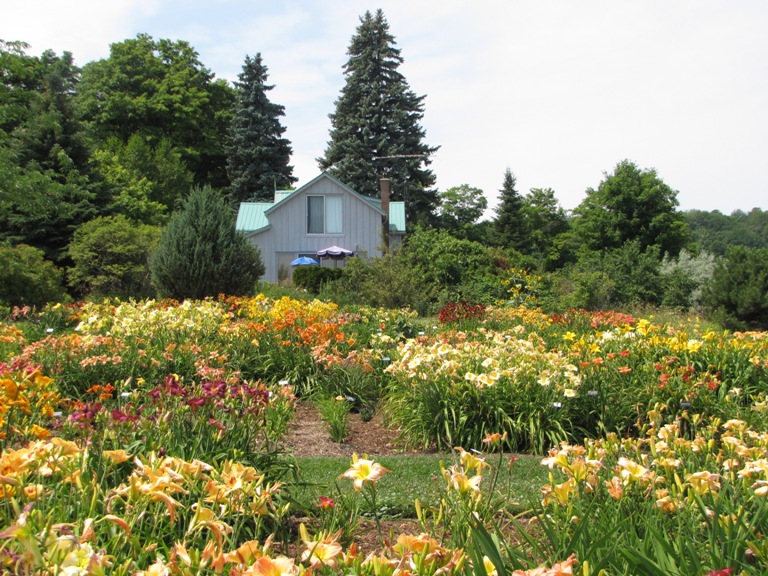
257, 154
375, 129
201, 254
510, 221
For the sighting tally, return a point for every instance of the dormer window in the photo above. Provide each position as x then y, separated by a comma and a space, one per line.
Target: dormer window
324, 214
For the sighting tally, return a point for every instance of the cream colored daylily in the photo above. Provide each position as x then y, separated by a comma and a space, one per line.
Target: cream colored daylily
362, 471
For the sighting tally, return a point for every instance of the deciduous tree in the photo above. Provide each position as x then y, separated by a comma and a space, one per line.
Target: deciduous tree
159, 89
461, 205
28, 278
631, 205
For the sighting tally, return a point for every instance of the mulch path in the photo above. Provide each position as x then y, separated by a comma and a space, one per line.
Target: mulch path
308, 436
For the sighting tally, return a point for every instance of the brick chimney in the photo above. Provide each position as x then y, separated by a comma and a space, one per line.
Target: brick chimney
384, 184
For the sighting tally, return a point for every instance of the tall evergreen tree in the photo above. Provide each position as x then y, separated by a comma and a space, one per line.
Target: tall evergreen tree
46, 182
510, 220
257, 154
375, 129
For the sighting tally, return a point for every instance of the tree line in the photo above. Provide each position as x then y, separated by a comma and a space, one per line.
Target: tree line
95, 160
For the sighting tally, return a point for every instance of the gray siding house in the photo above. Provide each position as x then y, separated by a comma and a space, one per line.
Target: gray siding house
322, 213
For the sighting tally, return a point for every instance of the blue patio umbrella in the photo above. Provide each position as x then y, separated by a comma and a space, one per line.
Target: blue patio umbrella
305, 261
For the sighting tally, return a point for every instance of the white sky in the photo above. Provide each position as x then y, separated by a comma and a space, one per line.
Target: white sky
559, 91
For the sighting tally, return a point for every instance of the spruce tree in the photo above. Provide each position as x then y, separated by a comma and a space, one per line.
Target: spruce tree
201, 254
257, 154
375, 129
510, 221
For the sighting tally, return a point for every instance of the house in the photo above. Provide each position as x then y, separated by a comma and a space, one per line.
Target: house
324, 212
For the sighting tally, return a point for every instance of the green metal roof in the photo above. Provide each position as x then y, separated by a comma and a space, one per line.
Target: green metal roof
251, 216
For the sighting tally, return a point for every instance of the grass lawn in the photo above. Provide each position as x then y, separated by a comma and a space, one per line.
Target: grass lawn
417, 477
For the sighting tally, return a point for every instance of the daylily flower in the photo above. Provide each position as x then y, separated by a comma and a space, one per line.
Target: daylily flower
266, 566
363, 470
321, 551
560, 569
117, 456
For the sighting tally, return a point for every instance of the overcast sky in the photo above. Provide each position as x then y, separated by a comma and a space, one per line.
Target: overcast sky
559, 91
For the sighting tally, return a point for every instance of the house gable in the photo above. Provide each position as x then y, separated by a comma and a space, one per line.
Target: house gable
322, 213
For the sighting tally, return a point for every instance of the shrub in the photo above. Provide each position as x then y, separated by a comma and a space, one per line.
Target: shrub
312, 278
684, 278
201, 254
619, 277
387, 282
28, 278
111, 255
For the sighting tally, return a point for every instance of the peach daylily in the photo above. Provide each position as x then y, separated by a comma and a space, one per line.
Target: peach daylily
563, 568
363, 470
246, 553
157, 569
266, 566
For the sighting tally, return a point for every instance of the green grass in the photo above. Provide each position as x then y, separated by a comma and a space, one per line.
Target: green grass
416, 477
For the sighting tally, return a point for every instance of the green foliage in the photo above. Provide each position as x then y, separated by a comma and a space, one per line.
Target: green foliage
159, 89
547, 229
523, 288
510, 225
146, 181
714, 232
334, 410
257, 153
451, 269
111, 256
431, 269
201, 254
603, 280
312, 278
28, 279
375, 129
386, 282
738, 290
45, 186
685, 277
461, 206
631, 205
